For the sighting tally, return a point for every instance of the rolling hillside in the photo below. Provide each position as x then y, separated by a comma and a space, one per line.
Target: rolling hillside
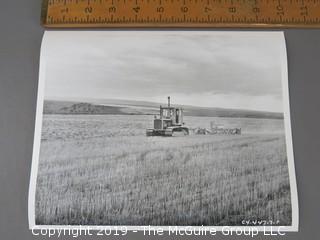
125, 107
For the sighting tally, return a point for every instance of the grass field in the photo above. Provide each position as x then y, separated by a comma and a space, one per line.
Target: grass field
102, 170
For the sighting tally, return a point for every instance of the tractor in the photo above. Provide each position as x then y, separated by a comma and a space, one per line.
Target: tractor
169, 123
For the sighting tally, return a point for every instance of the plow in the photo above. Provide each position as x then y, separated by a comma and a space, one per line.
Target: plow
170, 123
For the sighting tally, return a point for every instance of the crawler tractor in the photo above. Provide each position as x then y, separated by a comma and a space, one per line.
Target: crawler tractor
169, 123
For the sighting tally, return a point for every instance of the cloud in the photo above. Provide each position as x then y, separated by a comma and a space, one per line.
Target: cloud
151, 65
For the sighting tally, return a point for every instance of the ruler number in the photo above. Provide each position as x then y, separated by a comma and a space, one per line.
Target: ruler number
256, 10
64, 10
136, 9
304, 11
88, 10
112, 9
280, 10
184, 9
160, 9
232, 9
206, 9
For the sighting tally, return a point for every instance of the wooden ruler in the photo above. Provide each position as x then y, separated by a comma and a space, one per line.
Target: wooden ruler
181, 13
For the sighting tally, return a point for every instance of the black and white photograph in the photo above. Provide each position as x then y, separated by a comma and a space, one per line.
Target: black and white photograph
163, 128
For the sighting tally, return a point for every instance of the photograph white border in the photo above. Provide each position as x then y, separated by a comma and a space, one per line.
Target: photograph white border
289, 147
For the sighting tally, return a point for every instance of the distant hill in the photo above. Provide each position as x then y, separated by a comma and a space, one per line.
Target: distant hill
59, 107
126, 107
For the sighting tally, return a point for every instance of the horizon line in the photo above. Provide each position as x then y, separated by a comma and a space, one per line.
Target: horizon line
76, 99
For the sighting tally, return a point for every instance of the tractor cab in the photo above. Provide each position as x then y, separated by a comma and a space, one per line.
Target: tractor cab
172, 114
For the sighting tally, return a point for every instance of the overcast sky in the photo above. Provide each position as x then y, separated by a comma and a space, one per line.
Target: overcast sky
211, 69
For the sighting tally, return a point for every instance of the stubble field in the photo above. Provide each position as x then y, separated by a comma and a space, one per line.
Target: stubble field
103, 170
